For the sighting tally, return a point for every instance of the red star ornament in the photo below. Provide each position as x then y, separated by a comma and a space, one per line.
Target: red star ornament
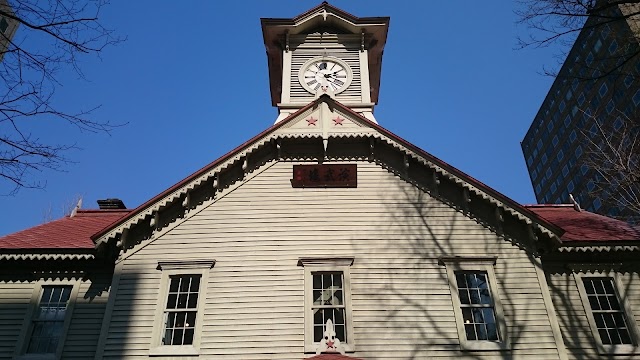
338, 121
311, 121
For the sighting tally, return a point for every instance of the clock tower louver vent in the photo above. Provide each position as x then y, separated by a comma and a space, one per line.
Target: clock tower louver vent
325, 51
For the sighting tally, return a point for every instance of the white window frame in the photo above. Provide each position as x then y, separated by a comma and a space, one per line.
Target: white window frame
177, 268
634, 332
479, 264
27, 327
334, 264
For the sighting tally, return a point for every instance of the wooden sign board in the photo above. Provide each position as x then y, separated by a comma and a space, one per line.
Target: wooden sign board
325, 175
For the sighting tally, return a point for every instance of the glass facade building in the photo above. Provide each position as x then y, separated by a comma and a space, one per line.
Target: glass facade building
596, 93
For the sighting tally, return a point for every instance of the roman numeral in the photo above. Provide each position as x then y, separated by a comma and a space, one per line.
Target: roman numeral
312, 82
341, 76
338, 82
317, 86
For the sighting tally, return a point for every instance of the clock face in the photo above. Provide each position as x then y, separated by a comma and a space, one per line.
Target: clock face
329, 73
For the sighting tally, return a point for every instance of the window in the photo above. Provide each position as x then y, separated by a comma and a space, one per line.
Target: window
328, 303
327, 297
4, 25
608, 314
47, 321
179, 311
597, 45
597, 203
476, 303
618, 123
636, 98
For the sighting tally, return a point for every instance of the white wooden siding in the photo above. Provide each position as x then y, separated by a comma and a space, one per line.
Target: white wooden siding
572, 314
400, 296
15, 298
86, 320
84, 328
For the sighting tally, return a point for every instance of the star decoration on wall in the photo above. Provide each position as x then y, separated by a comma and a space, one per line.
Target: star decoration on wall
311, 121
338, 121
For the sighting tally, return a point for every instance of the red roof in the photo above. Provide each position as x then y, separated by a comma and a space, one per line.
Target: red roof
585, 226
66, 233
332, 357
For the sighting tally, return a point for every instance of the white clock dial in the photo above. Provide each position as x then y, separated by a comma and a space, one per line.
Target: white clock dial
329, 73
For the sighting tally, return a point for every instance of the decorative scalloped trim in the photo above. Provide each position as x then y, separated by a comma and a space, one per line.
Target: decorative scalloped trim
368, 132
46, 257
599, 248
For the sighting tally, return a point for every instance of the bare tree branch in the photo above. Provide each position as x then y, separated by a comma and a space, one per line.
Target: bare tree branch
563, 21
613, 153
71, 29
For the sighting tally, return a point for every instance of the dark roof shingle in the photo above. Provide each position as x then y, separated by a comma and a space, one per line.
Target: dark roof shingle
583, 225
66, 233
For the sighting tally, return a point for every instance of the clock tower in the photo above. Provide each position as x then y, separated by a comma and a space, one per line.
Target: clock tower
325, 51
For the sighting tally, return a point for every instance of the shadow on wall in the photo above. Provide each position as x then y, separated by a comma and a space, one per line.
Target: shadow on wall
414, 289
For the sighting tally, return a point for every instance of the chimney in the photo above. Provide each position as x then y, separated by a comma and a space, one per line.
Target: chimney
111, 204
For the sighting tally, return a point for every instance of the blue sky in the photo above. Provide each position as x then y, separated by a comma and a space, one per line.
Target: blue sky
191, 83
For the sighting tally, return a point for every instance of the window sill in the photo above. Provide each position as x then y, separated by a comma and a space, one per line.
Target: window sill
311, 348
184, 350
618, 349
483, 346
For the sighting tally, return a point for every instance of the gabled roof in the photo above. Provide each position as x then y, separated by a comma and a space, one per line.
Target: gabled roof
581, 225
238, 159
275, 30
66, 234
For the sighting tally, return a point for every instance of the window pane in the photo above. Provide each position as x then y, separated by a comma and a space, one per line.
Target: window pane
588, 286
188, 337
337, 298
485, 297
481, 332
192, 302
607, 313
337, 280
182, 301
340, 332
326, 281
172, 301
318, 331
195, 284
470, 331
177, 337
175, 283
466, 316
185, 282
492, 332
464, 296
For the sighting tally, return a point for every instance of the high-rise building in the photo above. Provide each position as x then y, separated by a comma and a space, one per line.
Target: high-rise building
592, 100
8, 26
